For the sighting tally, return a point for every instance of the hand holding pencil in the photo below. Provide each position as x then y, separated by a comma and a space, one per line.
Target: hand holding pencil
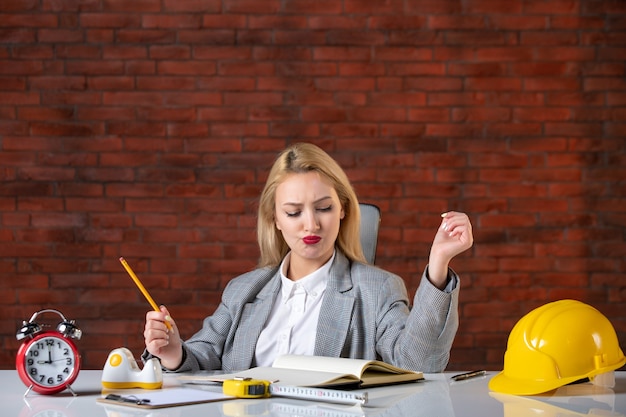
143, 289
161, 342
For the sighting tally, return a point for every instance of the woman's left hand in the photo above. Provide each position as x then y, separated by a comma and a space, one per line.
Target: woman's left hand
453, 237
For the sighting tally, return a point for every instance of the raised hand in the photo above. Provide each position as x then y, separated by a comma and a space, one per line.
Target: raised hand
162, 342
454, 236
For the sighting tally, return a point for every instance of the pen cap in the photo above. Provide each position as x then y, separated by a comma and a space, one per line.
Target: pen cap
557, 344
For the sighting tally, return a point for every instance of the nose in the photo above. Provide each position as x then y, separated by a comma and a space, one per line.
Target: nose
310, 220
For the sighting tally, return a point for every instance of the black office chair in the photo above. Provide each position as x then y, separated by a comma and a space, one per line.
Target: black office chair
370, 222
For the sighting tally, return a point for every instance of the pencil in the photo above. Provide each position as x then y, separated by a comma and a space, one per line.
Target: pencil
142, 288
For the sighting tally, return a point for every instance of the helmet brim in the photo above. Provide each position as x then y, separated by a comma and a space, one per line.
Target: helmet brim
507, 385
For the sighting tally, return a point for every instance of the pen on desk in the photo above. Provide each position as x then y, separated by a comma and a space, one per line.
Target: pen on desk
142, 288
468, 375
130, 399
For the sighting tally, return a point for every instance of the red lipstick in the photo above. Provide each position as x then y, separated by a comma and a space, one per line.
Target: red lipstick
311, 240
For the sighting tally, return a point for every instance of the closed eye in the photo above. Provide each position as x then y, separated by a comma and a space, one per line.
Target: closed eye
296, 213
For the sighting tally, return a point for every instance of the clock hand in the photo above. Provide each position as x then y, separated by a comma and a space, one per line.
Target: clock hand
49, 358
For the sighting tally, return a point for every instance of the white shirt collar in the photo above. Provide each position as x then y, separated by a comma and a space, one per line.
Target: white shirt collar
313, 284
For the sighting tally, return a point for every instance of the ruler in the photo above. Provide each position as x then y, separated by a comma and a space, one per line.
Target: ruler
319, 394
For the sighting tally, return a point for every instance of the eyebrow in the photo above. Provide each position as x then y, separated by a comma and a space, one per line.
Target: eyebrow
319, 200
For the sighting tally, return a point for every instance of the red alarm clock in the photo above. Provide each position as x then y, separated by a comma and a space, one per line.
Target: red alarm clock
48, 362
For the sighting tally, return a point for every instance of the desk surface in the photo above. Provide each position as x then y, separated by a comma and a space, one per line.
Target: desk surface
437, 396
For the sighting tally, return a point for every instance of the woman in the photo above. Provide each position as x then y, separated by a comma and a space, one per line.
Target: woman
313, 292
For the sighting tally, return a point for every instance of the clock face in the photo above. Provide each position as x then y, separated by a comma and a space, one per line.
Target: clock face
49, 362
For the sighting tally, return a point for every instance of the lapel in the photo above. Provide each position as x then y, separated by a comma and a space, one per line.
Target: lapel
336, 310
253, 319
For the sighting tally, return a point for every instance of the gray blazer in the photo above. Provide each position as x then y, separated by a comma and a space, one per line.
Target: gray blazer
365, 314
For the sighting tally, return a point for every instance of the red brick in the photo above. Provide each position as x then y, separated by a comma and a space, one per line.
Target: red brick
455, 22
19, 5
425, 114
304, 68
59, 35
493, 84
417, 69
66, 129
479, 38
16, 35
204, 6
552, 114
434, 84
505, 54
364, 6
574, 22
542, 69
552, 84
109, 20
548, 38
147, 36
477, 69
481, 114
178, 21
451, 130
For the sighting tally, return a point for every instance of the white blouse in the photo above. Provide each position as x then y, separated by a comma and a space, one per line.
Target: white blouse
292, 324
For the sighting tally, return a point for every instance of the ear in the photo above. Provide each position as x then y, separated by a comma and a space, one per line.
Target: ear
276, 224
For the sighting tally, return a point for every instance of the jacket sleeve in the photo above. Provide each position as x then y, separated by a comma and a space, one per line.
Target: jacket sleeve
207, 348
204, 349
420, 337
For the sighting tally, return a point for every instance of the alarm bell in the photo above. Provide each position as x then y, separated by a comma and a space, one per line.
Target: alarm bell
66, 327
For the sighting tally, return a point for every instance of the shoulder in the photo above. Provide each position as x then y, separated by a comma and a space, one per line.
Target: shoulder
249, 284
373, 276
366, 276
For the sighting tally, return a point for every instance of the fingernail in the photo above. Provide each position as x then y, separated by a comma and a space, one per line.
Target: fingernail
444, 214
444, 226
168, 318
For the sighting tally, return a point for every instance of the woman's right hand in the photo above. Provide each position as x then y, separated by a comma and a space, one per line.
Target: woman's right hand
161, 341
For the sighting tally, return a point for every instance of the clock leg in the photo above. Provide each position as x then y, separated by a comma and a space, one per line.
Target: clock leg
69, 387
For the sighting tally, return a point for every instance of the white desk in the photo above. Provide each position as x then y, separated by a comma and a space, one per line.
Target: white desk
435, 397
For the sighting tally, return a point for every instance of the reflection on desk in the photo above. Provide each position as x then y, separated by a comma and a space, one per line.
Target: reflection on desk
437, 396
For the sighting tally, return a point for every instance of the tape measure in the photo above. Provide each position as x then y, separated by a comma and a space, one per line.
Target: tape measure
258, 388
246, 388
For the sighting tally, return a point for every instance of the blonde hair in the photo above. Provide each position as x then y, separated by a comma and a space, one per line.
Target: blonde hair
303, 158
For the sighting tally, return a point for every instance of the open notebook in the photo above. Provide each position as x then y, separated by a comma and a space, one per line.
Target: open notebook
319, 371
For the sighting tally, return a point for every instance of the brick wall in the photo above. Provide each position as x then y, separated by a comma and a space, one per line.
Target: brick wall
145, 129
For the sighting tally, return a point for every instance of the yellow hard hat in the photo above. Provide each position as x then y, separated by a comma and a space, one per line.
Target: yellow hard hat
557, 344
